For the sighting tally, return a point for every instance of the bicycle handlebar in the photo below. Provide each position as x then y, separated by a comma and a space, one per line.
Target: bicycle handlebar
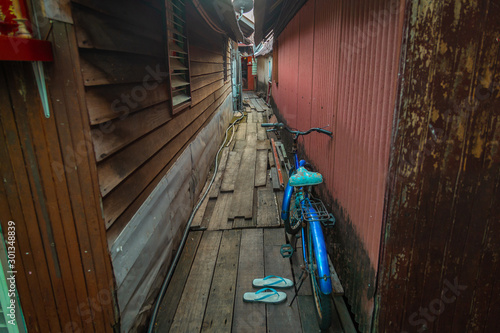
282, 126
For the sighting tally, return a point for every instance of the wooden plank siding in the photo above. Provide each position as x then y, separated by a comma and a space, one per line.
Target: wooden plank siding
73, 182
64, 278
137, 139
133, 132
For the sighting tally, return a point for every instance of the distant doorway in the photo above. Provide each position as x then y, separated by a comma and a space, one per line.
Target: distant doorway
246, 73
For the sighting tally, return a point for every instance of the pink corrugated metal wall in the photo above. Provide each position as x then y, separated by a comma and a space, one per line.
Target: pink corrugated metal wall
338, 63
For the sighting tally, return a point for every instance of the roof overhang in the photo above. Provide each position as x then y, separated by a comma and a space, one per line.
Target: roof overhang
222, 15
264, 48
273, 16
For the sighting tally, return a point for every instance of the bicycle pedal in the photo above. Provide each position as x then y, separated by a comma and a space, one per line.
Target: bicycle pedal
286, 250
329, 223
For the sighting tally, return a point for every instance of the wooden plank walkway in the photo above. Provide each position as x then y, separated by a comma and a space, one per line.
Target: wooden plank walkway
241, 242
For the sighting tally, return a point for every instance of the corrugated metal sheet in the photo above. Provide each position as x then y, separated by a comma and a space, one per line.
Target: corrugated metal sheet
340, 69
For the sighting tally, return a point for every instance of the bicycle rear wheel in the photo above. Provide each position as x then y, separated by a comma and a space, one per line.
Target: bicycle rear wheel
322, 302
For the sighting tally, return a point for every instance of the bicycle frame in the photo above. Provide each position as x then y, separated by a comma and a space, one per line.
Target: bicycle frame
315, 229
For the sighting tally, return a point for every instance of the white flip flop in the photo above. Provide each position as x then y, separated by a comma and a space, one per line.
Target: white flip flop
265, 295
272, 281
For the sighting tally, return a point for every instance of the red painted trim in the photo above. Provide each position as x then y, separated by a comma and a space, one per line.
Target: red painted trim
22, 49
277, 163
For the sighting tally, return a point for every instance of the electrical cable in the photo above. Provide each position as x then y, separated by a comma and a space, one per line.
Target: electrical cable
186, 231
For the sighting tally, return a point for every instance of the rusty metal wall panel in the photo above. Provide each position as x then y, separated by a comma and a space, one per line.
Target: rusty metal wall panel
440, 260
349, 54
306, 54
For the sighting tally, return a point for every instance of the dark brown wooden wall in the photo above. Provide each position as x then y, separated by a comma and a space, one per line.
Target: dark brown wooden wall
50, 191
109, 141
441, 246
136, 138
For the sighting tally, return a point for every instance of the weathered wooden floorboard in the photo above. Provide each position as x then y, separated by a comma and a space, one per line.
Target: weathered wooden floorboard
336, 285
219, 311
174, 291
297, 263
263, 104
257, 106
205, 222
345, 318
261, 168
249, 317
263, 145
198, 217
252, 103
267, 213
219, 219
239, 145
308, 316
274, 179
231, 172
307, 313
284, 318
336, 326
242, 205
241, 132
241, 223
252, 117
261, 132
214, 190
261, 118
191, 309
271, 160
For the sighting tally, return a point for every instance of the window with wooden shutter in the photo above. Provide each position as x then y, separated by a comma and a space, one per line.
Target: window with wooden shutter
178, 55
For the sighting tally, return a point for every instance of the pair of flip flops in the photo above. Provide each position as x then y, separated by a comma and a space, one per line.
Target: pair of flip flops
267, 294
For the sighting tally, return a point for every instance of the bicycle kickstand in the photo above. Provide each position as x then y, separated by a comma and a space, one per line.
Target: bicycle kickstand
302, 278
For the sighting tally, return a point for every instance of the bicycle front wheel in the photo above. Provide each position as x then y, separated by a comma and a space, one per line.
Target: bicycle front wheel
322, 302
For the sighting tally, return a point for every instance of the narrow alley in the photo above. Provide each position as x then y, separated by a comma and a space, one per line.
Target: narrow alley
114, 115
236, 237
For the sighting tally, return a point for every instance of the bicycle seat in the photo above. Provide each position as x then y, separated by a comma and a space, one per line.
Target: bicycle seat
303, 177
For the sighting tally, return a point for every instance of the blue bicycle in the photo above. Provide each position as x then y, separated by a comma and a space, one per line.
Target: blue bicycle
302, 212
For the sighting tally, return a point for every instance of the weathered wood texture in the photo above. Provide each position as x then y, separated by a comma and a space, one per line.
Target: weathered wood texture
443, 211
189, 314
215, 189
220, 215
174, 292
261, 168
309, 321
267, 212
241, 132
120, 47
49, 191
219, 311
134, 133
284, 317
198, 216
229, 178
244, 187
249, 317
